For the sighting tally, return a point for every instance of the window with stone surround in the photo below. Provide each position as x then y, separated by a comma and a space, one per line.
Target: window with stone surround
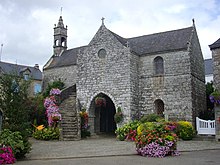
102, 53
159, 107
158, 66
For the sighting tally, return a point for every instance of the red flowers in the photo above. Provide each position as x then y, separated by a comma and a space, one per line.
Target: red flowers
6, 155
100, 101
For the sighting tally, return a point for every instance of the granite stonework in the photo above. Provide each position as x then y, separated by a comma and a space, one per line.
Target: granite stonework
66, 74
126, 74
215, 48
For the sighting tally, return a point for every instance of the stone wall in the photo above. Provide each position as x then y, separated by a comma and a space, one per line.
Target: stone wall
109, 75
134, 78
216, 68
198, 77
65, 74
173, 88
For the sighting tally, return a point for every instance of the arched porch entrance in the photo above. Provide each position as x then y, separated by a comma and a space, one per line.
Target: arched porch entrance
104, 110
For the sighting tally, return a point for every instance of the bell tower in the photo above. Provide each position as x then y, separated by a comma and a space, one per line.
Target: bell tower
60, 38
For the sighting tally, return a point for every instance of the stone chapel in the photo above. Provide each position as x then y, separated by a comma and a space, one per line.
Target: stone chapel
160, 73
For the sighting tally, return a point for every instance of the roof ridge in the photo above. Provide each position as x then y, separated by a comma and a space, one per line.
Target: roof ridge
121, 39
152, 34
21, 65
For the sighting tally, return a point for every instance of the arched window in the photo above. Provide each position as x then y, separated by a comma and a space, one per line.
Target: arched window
63, 41
56, 42
158, 65
159, 107
102, 53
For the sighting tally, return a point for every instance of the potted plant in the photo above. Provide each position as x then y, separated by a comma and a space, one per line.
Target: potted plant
118, 117
100, 101
215, 97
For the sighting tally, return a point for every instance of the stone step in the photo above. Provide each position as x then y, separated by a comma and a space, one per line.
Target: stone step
204, 138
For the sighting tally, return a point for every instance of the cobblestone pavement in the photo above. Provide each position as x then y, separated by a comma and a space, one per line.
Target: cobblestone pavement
100, 147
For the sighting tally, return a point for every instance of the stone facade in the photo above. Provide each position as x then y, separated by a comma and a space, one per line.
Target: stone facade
215, 48
66, 74
124, 72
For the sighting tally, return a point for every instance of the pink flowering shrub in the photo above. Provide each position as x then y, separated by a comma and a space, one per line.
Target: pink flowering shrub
55, 91
6, 155
52, 109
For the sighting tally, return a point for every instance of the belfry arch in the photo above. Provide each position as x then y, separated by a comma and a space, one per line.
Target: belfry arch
102, 114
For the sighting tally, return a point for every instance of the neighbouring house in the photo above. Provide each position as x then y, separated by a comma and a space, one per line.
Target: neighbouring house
160, 73
32, 73
215, 48
208, 70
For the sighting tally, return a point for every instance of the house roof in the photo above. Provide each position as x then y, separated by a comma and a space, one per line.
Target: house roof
142, 45
9, 68
208, 66
215, 45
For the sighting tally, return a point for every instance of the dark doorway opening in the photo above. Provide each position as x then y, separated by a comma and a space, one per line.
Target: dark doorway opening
105, 116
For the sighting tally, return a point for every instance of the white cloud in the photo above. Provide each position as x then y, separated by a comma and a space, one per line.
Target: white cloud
26, 26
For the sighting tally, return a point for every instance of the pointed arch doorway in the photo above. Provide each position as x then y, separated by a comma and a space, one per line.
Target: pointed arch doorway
103, 115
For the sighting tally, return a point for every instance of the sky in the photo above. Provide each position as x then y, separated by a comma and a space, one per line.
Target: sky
26, 26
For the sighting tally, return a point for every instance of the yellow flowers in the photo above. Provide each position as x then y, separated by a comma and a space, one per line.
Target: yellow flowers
40, 127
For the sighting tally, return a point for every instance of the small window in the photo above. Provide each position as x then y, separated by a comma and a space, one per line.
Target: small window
158, 66
159, 107
37, 88
26, 77
102, 53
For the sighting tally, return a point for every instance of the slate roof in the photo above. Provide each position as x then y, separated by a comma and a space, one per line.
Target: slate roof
208, 66
158, 42
9, 68
215, 45
161, 42
67, 58
142, 45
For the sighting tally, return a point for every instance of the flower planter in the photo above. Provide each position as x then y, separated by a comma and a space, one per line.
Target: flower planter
100, 102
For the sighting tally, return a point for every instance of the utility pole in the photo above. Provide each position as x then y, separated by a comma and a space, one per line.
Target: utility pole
1, 52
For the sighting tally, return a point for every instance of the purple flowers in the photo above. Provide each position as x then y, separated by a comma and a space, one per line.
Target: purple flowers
55, 91
215, 97
52, 109
156, 150
6, 155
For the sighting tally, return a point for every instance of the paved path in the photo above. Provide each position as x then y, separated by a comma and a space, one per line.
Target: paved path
101, 147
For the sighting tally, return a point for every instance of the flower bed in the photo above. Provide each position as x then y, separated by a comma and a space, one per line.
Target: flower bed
156, 140
6, 155
152, 139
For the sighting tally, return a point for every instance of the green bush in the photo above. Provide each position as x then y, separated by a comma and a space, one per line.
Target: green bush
55, 84
185, 130
150, 118
15, 103
47, 134
16, 141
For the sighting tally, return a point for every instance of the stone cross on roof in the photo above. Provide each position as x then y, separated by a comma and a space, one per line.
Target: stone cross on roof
103, 20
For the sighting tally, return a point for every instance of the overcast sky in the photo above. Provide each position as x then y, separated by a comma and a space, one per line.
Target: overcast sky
26, 26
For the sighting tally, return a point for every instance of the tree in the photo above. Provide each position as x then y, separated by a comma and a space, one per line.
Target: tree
14, 103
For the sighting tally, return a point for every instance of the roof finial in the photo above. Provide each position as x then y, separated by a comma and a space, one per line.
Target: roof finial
61, 10
103, 20
193, 20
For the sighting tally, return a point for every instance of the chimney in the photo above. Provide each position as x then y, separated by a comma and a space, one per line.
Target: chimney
36, 66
